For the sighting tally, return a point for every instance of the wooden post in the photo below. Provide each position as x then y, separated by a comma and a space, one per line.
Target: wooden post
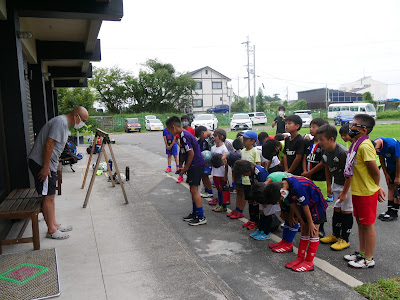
93, 176
88, 164
109, 168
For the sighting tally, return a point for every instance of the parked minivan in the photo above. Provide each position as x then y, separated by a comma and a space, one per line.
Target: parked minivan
360, 108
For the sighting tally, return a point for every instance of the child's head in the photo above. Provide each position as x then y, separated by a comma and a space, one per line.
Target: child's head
378, 143
174, 125
185, 121
216, 160
249, 138
272, 193
327, 136
315, 124
262, 137
219, 135
271, 148
242, 168
279, 137
293, 123
238, 144
344, 132
362, 125
257, 193
281, 111
200, 132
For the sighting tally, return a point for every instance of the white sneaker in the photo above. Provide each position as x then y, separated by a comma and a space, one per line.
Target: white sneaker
353, 257
362, 263
206, 195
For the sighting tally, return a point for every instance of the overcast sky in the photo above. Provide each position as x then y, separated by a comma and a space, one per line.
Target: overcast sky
299, 44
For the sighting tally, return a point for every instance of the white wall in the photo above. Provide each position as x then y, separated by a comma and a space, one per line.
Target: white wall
367, 84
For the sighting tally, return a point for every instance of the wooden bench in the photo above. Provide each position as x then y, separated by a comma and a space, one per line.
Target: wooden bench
22, 204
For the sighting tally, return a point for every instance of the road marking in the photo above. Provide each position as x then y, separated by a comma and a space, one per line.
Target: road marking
320, 263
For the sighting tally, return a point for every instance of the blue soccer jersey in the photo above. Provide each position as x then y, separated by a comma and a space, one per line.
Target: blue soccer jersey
390, 151
204, 145
168, 135
260, 174
303, 191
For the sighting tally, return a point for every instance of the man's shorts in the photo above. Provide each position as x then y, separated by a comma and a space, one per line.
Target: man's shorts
346, 205
219, 183
194, 175
392, 174
207, 170
173, 151
48, 187
364, 208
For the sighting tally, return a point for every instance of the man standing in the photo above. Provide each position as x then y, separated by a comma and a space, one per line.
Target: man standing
43, 162
280, 121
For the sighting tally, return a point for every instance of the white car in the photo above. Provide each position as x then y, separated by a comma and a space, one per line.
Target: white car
241, 122
306, 118
207, 120
258, 118
154, 124
150, 117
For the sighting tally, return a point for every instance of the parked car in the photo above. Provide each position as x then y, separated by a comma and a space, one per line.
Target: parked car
305, 117
241, 121
207, 120
191, 117
150, 117
154, 124
307, 111
344, 117
258, 118
223, 108
132, 124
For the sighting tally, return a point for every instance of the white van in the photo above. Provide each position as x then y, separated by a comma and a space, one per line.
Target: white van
361, 108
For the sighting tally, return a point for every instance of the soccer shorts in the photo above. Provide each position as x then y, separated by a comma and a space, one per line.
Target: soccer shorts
346, 205
364, 208
194, 175
47, 187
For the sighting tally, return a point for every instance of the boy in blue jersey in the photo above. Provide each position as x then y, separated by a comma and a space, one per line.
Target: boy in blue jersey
171, 149
204, 136
194, 166
388, 150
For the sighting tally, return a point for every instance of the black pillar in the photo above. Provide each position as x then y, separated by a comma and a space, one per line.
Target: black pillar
14, 101
49, 100
55, 101
38, 98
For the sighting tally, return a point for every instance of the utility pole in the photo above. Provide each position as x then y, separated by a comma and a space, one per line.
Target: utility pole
254, 77
238, 88
287, 94
248, 70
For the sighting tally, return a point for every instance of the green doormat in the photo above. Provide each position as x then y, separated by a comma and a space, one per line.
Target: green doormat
29, 275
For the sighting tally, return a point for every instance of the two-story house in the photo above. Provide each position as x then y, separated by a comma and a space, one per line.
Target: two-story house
211, 89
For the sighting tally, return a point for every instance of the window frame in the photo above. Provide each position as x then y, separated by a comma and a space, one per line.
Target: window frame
217, 82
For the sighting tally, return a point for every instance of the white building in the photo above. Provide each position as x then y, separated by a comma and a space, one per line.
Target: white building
211, 89
377, 89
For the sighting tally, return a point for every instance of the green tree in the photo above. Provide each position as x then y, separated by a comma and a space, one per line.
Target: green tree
298, 105
367, 97
68, 98
260, 101
240, 105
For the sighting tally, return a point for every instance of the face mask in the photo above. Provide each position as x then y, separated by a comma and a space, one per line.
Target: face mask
284, 193
281, 113
80, 124
184, 124
353, 132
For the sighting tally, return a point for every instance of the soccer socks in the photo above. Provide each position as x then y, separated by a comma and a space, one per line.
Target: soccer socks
347, 225
312, 249
200, 212
303, 246
390, 205
210, 191
292, 232
285, 231
194, 208
220, 199
337, 220
239, 210
395, 209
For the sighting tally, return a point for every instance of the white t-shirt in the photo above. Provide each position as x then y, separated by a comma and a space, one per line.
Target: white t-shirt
219, 172
275, 159
269, 209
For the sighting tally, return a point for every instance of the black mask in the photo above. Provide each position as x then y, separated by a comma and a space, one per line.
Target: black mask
353, 132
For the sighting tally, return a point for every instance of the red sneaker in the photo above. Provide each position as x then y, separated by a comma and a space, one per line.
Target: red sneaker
237, 215
252, 226
180, 179
231, 213
294, 263
286, 247
213, 202
305, 266
177, 169
246, 224
168, 170
276, 244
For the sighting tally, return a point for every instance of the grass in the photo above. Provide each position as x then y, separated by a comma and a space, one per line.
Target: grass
383, 289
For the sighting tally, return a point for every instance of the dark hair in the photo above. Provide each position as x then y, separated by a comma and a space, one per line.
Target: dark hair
174, 120
272, 192
221, 134
319, 122
328, 131
281, 108
185, 117
373, 143
366, 120
237, 144
344, 129
269, 148
262, 136
199, 130
257, 192
279, 137
295, 119
240, 167
239, 134
216, 160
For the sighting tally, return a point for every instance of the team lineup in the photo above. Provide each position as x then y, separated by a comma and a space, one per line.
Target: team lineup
293, 175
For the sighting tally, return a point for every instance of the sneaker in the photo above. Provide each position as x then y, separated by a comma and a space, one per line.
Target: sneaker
219, 208
233, 190
177, 169
198, 221
294, 263
206, 195
237, 215
231, 213
330, 239
168, 170
276, 244
283, 225
329, 199
283, 248
353, 257
213, 202
389, 217
262, 236
257, 232
252, 226
180, 179
189, 217
305, 266
380, 217
246, 224
340, 245
362, 263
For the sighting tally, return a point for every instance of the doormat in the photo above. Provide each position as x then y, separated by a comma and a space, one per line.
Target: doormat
29, 275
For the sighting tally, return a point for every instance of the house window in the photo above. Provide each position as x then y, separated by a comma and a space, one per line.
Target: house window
197, 102
199, 85
217, 85
206, 72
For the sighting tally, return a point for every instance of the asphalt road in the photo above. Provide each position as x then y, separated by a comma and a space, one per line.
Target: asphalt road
251, 268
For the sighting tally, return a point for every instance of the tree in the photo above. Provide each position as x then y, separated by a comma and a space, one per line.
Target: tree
298, 105
260, 101
367, 97
68, 98
240, 105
